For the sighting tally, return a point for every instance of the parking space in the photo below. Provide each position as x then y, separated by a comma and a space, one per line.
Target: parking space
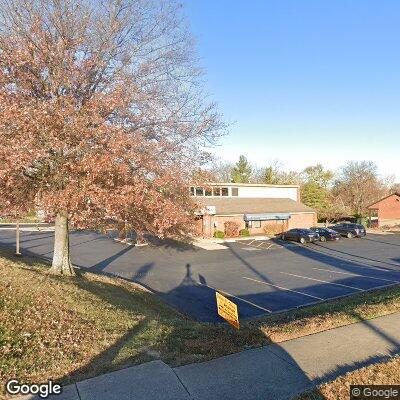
255, 244
261, 276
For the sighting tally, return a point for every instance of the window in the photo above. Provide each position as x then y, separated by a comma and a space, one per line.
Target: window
224, 191
235, 191
199, 191
208, 192
255, 224
216, 191
192, 191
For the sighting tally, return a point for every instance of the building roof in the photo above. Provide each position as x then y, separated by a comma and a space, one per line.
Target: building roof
238, 205
376, 203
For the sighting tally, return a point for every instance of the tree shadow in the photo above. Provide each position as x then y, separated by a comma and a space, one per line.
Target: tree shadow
355, 255
169, 243
100, 266
381, 241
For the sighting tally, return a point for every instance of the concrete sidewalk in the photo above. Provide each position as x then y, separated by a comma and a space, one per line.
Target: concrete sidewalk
275, 372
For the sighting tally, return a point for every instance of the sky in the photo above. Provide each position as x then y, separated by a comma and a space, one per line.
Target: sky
304, 81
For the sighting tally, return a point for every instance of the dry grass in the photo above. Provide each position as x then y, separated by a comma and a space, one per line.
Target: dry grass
69, 329
387, 373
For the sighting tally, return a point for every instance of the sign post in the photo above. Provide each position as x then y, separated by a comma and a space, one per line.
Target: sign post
17, 252
227, 310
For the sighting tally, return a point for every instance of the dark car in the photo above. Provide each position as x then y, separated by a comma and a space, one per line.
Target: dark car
350, 230
300, 235
326, 234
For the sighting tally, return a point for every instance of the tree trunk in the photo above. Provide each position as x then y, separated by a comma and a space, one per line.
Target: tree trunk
61, 259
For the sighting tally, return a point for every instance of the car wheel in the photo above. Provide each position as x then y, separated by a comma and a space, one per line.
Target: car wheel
302, 240
350, 235
322, 239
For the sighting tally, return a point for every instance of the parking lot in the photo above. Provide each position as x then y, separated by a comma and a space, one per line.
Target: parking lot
261, 276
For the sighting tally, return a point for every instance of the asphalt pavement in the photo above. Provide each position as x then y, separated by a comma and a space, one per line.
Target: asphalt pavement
262, 277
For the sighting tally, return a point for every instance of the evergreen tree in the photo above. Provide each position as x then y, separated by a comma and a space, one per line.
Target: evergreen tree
241, 172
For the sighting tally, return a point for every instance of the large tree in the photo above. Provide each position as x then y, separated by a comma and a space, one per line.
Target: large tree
241, 172
220, 171
101, 115
273, 174
315, 188
318, 175
359, 185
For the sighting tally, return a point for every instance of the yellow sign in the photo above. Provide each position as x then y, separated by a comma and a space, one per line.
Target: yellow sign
227, 310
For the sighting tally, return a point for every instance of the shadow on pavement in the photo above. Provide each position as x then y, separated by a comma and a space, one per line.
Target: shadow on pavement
99, 267
381, 241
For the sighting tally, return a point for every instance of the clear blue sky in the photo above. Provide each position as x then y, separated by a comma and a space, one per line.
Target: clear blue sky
305, 80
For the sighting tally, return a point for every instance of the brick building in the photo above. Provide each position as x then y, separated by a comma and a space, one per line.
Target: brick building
260, 208
386, 211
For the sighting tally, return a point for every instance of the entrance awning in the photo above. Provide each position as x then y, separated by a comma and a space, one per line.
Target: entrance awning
266, 217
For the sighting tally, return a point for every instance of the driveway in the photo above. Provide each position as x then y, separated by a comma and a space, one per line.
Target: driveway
262, 277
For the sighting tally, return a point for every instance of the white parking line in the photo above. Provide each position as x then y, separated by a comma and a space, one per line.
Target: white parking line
283, 288
363, 276
320, 280
235, 297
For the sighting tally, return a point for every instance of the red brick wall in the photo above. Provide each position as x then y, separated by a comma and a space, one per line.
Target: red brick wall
389, 210
302, 220
220, 220
270, 228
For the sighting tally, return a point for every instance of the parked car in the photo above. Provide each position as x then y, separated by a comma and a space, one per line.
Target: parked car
326, 234
350, 230
300, 235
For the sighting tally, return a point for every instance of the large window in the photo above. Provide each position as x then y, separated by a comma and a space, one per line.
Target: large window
216, 191
199, 191
254, 224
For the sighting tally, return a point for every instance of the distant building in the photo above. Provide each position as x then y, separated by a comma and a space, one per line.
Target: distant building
260, 208
386, 211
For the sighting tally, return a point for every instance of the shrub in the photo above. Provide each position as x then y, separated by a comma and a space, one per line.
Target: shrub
272, 229
244, 232
219, 234
231, 228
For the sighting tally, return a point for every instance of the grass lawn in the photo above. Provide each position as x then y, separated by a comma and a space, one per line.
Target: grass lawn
387, 373
69, 329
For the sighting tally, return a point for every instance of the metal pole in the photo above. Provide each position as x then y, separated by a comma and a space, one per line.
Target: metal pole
17, 252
